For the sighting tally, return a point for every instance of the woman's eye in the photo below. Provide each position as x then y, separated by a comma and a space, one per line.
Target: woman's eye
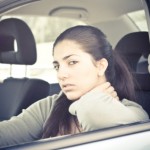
73, 62
56, 67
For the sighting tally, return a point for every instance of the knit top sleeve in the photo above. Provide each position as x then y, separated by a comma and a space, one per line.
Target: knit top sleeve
97, 110
28, 125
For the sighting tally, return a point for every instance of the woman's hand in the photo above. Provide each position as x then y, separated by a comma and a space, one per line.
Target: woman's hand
107, 88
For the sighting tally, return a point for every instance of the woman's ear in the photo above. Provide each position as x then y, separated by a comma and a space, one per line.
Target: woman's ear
102, 65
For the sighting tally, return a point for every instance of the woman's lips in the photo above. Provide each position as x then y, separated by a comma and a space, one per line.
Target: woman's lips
68, 87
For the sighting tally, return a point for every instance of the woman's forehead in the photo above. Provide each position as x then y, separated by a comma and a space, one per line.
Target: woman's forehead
67, 47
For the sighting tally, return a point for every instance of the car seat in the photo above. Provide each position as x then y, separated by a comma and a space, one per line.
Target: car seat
143, 90
149, 63
132, 47
54, 88
18, 93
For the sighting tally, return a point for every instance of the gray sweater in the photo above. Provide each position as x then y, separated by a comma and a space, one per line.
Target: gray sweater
94, 110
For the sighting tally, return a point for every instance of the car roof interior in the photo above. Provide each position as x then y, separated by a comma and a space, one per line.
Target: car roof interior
80, 9
110, 13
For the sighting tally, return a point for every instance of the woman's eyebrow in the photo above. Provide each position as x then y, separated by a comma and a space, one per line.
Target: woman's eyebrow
55, 62
64, 58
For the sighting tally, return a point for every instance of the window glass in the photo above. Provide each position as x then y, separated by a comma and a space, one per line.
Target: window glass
139, 19
45, 31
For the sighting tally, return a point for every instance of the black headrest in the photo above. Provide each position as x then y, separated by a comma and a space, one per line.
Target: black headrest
15, 30
134, 43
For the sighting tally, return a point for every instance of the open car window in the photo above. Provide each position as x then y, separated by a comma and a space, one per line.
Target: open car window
45, 29
45, 34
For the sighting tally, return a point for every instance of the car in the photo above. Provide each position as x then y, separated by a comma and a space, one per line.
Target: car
31, 76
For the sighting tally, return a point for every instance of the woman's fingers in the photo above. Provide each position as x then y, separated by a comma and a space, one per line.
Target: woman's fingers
110, 89
106, 87
103, 87
114, 95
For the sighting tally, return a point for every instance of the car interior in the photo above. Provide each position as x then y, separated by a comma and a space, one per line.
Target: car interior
19, 46
18, 93
134, 49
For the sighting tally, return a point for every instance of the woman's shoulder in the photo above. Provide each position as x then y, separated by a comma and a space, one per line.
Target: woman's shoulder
46, 104
137, 108
42, 107
127, 102
49, 100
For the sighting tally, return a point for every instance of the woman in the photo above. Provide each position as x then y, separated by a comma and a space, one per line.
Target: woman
89, 73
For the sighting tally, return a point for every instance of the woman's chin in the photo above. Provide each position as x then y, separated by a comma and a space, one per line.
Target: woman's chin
72, 96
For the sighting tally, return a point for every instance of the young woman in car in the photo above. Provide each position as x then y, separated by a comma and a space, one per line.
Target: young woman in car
89, 72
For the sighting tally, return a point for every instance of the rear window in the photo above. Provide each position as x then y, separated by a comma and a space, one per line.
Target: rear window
138, 17
45, 31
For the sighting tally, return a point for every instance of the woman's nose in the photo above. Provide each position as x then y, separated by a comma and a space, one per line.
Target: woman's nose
62, 73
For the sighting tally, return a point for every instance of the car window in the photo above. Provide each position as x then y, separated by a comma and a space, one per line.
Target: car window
45, 31
138, 17
116, 20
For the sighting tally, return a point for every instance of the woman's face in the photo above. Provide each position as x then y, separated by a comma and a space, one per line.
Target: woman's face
76, 72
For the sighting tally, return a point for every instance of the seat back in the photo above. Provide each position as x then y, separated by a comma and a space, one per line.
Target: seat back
132, 47
54, 88
149, 63
143, 87
143, 90
18, 93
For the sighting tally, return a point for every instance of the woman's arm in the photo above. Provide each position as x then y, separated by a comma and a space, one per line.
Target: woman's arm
96, 110
27, 126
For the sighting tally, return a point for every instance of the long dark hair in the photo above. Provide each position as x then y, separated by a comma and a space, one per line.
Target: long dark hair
94, 42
